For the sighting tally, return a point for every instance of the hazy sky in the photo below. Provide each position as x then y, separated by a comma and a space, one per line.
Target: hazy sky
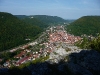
67, 9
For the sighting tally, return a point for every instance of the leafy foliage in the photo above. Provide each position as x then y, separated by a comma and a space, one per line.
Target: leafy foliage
87, 43
95, 44
89, 25
84, 43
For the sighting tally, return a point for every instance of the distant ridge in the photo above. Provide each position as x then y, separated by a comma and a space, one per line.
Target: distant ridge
21, 16
44, 18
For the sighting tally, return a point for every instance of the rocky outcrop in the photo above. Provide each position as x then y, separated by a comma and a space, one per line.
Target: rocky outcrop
85, 63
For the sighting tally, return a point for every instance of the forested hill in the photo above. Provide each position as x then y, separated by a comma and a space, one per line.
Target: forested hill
13, 31
89, 25
44, 18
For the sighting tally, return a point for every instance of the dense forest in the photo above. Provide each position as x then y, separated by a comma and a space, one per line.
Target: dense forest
89, 25
13, 31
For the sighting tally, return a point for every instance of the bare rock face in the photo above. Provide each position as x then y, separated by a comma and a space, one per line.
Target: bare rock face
57, 55
85, 63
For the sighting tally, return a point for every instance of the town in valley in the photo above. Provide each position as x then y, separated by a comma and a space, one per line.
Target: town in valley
53, 45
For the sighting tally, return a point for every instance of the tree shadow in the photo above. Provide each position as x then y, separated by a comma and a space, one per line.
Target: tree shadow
86, 62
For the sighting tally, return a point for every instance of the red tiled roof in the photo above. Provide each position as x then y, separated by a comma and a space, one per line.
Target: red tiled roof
61, 36
22, 60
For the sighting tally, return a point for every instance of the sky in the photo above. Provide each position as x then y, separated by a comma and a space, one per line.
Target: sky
67, 9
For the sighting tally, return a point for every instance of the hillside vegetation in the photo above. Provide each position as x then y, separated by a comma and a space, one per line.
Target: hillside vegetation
89, 25
13, 31
89, 43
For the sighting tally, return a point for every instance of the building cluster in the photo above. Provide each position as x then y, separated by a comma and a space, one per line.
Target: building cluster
27, 55
24, 56
63, 36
